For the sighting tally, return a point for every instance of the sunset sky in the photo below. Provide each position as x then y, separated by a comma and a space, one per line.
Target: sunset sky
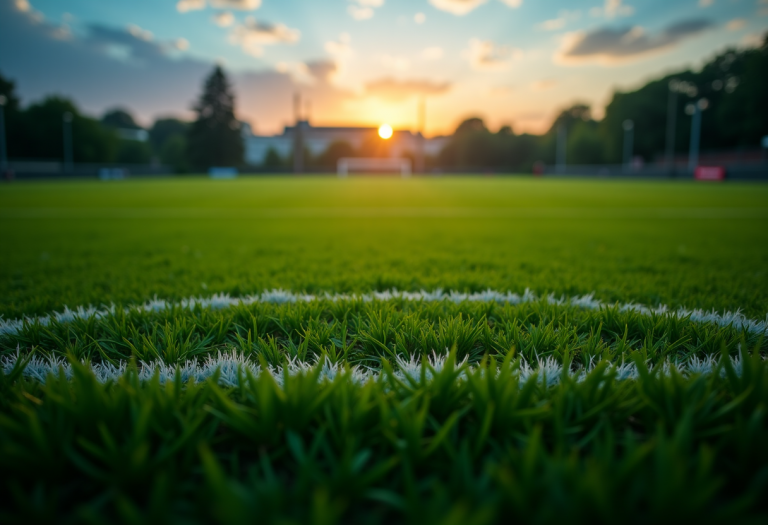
363, 61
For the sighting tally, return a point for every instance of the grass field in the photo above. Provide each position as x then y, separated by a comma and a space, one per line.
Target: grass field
340, 399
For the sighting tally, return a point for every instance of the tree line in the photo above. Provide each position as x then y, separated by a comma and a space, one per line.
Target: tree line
734, 84
36, 132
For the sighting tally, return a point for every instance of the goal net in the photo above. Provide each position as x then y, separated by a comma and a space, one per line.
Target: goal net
347, 165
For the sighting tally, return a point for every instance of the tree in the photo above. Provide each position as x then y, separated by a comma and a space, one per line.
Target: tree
734, 83
165, 128
40, 134
584, 144
119, 118
174, 153
272, 160
329, 159
7, 89
134, 152
12, 115
214, 139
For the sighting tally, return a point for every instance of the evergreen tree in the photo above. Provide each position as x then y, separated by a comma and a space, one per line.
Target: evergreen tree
214, 139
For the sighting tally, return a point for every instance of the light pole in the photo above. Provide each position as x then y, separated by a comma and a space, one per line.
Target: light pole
695, 110
68, 157
298, 142
562, 138
764, 144
3, 150
421, 124
671, 123
629, 136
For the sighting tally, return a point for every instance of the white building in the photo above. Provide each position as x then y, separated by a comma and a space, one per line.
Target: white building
317, 139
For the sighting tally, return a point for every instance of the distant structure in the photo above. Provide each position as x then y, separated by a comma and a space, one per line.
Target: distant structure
315, 140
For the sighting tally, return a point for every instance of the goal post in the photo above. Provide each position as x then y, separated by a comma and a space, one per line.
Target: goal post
346, 165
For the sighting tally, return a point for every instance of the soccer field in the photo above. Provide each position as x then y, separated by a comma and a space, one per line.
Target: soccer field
680, 244
443, 350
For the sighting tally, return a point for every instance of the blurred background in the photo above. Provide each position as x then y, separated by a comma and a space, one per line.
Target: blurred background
610, 88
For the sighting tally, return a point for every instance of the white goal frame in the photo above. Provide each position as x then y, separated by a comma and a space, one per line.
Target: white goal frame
345, 164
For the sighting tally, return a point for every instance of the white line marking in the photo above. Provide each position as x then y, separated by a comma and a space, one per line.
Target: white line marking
231, 368
220, 301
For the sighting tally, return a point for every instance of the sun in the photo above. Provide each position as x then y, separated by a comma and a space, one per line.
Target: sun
385, 131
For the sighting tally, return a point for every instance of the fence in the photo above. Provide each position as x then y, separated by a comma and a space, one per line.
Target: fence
40, 170
741, 172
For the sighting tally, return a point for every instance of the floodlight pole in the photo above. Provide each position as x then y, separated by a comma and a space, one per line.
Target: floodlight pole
671, 126
629, 137
3, 150
764, 144
562, 137
298, 143
422, 119
693, 151
67, 129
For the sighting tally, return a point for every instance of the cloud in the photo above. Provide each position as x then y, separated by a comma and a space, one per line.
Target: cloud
133, 45
141, 34
753, 40
484, 55
432, 53
360, 13
363, 9
502, 91
543, 85
736, 24
224, 19
419, 18
243, 5
457, 7
298, 71
706, 3
32, 14
340, 49
100, 67
562, 19
462, 7
182, 6
608, 45
151, 78
394, 90
253, 35
396, 63
553, 24
612, 9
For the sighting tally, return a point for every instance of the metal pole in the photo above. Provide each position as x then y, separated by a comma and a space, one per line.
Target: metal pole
671, 126
298, 143
420, 137
693, 150
68, 156
629, 136
562, 138
764, 144
3, 150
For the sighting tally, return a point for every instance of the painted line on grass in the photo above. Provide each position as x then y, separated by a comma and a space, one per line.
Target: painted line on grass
221, 301
233, 368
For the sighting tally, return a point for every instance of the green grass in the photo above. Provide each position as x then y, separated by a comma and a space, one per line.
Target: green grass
675, 243
479, 442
